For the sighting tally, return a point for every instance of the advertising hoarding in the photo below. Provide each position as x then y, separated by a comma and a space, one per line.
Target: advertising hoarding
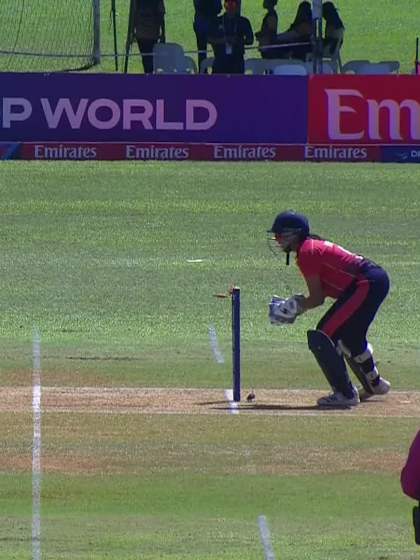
164, 108
343, 118
352, 109
48, 151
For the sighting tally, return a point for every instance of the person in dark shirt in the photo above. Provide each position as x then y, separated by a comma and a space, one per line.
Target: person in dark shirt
149, 28
229, 35
206, 12
334, 28
300, 31
267, 35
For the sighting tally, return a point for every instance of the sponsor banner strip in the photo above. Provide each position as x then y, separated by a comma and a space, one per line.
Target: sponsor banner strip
161, 151
196, 152
343, 152
209, 152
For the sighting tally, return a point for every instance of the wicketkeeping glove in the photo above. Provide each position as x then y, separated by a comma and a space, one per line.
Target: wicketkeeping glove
284, 311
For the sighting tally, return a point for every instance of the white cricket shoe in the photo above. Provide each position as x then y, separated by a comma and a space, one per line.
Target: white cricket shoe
338, 400
382, 388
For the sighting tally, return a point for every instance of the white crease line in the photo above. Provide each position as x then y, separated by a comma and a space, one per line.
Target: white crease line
266, 538
36, 446
214, 345
233, 406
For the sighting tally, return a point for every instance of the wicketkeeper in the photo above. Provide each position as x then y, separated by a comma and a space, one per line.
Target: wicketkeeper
358, 287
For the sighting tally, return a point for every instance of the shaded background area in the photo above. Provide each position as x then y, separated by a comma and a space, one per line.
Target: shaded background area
377, 31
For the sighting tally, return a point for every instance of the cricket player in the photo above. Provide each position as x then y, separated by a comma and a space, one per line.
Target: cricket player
357, 285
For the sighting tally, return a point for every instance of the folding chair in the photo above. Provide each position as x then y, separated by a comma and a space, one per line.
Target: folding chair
272, 63
353, 66
290, 70
189, 67
327, 67
255, 66
169, 58
375, 68
394, 65
206, 64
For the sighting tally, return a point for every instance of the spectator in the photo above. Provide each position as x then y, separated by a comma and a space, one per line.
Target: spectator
149, 28
299, 32
228, 37
267, 35
206, 12
334, 28
410, 481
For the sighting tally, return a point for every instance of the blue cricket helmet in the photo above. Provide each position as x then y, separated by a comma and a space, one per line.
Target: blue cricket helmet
290, 222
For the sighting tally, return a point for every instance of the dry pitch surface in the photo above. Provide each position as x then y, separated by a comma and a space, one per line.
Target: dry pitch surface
95, 400
84, 426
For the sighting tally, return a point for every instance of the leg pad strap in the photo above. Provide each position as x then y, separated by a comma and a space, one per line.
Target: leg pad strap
356, 365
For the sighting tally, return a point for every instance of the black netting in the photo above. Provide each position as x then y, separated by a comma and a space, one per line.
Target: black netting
45, 36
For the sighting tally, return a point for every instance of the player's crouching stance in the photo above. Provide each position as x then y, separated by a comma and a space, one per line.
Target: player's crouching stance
358, 286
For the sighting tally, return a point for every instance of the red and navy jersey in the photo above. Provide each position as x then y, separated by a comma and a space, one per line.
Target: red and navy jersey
336, 267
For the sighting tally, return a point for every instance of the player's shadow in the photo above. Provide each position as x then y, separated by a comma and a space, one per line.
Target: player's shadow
210, 403
257, 406
248, 407
245, 407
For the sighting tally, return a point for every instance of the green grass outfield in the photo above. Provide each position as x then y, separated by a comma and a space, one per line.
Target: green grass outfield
96, 256
384, 30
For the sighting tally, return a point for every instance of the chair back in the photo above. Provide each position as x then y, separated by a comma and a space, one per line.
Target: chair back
272, 63
353, 66
168, 58
206, 64
375, 68
327, 67
190, 66
290, 70
394, 65
255, 66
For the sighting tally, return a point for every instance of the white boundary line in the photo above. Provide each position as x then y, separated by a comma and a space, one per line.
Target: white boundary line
36, 446
266, 538
233, 406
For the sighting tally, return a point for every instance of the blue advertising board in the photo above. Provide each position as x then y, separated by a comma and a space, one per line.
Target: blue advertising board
165, 108
400, 154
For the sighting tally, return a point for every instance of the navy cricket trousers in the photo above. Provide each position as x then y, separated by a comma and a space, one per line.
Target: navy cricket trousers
351, 315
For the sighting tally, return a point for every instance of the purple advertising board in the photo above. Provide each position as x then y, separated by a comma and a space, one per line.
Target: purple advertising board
165, 108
